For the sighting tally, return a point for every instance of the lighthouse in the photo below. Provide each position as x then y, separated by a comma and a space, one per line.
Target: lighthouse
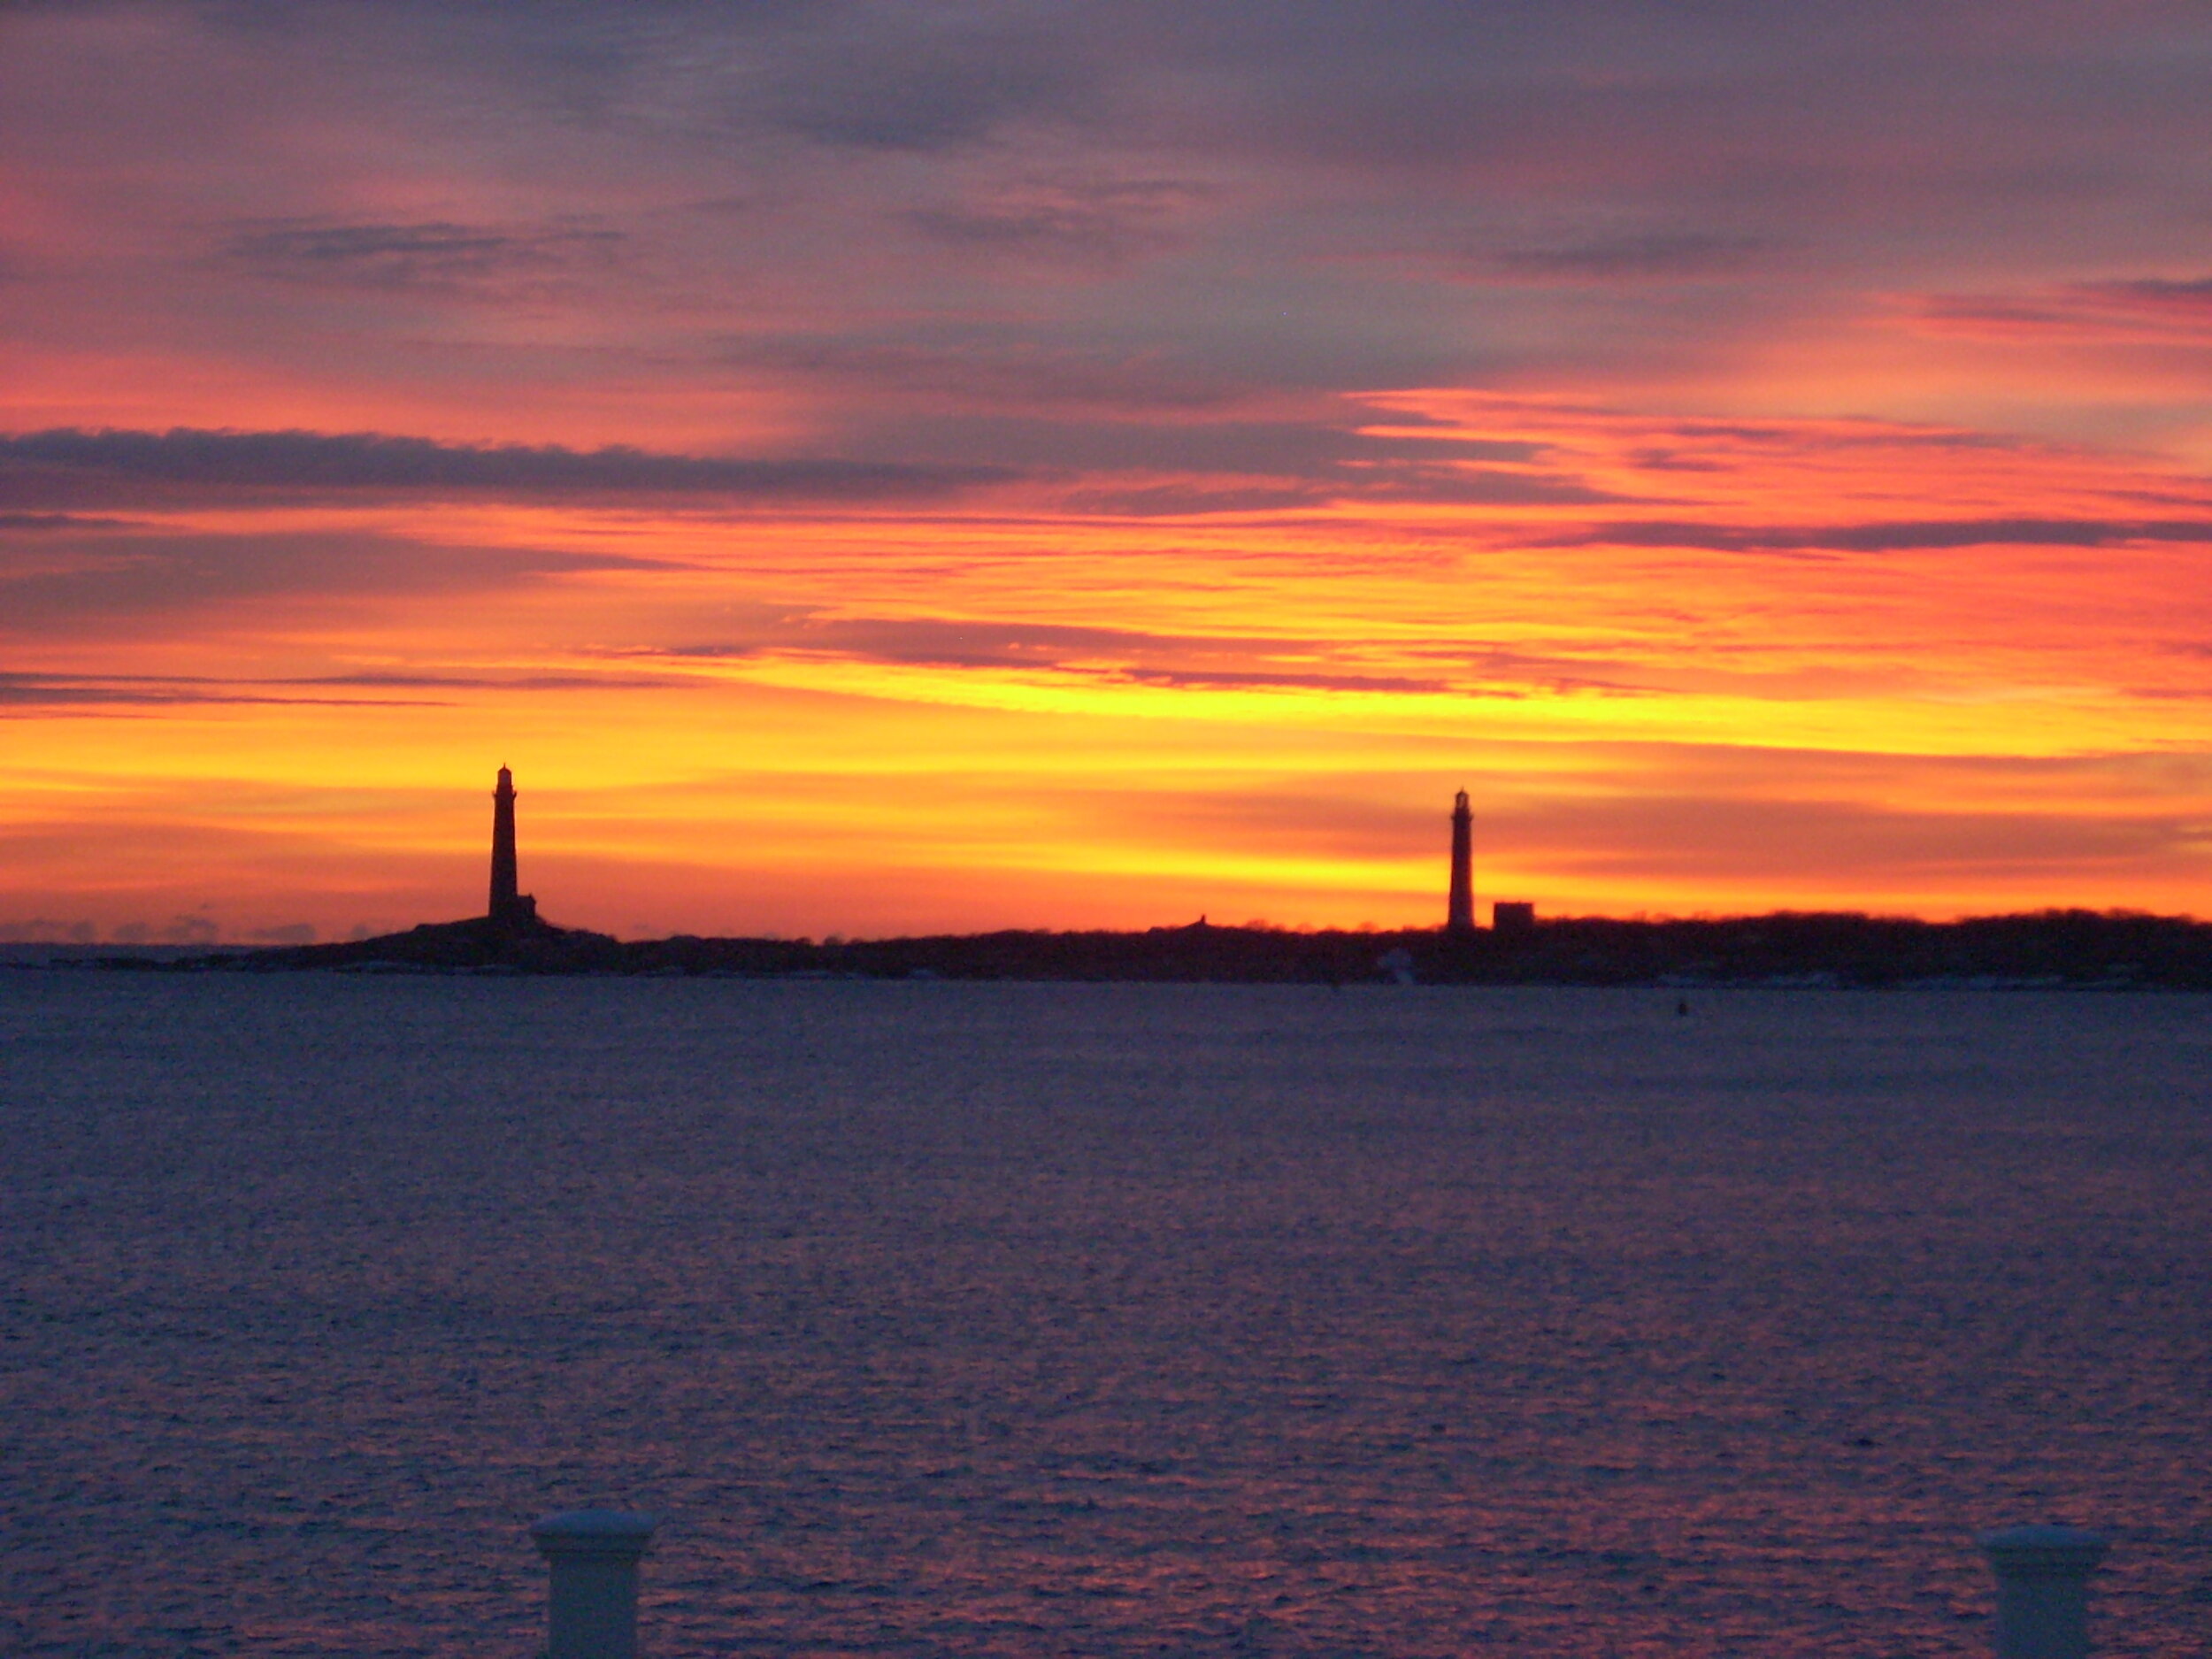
509, 907
1459, 915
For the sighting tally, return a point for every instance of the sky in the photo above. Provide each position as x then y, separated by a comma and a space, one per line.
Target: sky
885, 468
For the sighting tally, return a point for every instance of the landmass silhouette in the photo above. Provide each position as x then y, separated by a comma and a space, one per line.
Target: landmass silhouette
2110, 949
2070, 949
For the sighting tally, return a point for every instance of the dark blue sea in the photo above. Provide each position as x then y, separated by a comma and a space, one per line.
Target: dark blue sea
1105, 1320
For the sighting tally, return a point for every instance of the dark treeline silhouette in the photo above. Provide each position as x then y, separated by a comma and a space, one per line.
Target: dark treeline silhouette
2086, 948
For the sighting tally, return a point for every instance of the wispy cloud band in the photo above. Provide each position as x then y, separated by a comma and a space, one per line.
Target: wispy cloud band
72, 465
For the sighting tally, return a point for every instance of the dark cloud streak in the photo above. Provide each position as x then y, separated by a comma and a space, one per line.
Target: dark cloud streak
50, 580
1657, 257
37, 691
1935, 533
70, 466
435, 254
31, 523
48, 692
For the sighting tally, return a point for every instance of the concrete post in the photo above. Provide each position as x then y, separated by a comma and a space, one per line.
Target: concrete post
2043, 1590
592, 1608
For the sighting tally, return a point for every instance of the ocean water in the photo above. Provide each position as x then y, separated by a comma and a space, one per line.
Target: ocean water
1112, 1320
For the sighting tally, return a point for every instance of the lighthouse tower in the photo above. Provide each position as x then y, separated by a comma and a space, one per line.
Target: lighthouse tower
1459, 916
509, 907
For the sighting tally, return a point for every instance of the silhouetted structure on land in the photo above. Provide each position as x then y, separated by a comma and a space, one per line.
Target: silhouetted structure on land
510, 937
1459, 913
1512, 918
509, 908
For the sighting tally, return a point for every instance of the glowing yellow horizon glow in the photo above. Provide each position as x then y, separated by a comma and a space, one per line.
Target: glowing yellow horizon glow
1010, 714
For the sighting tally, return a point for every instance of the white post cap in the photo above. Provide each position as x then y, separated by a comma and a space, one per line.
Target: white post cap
593, 1533
2044, 1552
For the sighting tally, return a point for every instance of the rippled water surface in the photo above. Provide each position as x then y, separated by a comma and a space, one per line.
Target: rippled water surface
954, 1319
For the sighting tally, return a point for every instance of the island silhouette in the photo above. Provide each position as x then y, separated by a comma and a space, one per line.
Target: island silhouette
2074, 948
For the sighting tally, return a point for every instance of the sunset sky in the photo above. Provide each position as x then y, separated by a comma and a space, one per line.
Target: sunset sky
877, 468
